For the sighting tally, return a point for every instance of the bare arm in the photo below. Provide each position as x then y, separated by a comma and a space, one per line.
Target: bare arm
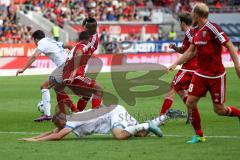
77, 64
68, 46
29, 62
51, 137
187, 55
46, 134
40, 135
56, 136
234, 56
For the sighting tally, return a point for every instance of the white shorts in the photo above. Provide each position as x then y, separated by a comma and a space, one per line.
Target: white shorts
56, 75
105, 119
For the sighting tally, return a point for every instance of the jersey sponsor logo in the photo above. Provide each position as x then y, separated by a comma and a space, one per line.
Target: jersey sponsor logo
201, 42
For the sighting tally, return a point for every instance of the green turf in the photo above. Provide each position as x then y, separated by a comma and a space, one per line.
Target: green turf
19, 96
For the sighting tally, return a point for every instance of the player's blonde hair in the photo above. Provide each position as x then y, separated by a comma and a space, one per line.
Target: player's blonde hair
201, 9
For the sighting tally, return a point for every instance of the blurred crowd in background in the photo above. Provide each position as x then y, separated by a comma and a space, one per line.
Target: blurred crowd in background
74, 11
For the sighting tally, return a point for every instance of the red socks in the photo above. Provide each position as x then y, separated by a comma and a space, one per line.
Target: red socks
233, 112
196, 121
62, 99
96, 102
82, 103
166, 105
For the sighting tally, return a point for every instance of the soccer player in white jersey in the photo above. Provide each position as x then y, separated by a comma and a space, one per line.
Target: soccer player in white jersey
53, 50
114, 118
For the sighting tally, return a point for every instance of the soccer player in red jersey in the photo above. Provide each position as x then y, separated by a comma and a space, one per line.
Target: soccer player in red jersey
90, 25
71, 74
210, 74
183, 78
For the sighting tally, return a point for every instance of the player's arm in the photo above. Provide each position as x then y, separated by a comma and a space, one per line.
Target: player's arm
68, 46
187, 55
29, 62
77, 64
53, 136
40, 135
176, 49
234, 56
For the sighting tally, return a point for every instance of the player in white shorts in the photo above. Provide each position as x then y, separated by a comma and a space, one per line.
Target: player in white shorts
53, 50
114, 118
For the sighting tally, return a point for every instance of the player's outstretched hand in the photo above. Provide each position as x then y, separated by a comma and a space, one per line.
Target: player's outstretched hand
172, 67
172, 46
19, 72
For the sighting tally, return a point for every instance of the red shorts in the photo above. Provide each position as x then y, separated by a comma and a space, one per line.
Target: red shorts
216, 86
182, 80
81, 85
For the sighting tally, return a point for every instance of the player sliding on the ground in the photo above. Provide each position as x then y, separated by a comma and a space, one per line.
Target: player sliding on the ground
114, 118
55, 51
183, 78
210, 75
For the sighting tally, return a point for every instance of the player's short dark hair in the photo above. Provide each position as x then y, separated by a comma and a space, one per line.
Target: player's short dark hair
186, 18
38, 34
89, 20
84, 35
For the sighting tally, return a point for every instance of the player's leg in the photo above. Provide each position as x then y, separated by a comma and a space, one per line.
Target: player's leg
194, 118
167, 102
46, 102
82, 103
223, 110
86, 87
197, 89
170, 95
218, 94
123, 134
46, 98
97, 96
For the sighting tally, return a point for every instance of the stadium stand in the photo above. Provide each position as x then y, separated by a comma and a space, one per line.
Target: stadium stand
72, 12
11, 31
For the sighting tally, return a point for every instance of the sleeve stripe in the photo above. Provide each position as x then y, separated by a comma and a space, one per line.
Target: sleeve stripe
91, 44
216, 32
189, 35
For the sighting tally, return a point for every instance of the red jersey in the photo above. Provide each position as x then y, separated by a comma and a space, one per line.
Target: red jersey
69, 64
93, 42
90, 48
192, 63
208, 41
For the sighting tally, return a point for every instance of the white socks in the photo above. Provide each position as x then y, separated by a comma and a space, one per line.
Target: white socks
46, 101
159, 120
135, 129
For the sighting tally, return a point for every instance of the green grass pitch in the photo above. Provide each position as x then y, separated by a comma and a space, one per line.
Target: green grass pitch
19, 96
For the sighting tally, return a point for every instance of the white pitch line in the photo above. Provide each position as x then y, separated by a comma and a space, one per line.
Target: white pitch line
19, 132
168, 135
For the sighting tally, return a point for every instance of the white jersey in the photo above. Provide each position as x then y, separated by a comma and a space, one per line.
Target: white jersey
100, 120
52, 49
